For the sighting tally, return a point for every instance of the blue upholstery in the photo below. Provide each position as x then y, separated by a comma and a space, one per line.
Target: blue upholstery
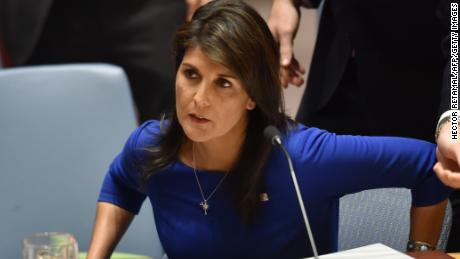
60, 127
380, 216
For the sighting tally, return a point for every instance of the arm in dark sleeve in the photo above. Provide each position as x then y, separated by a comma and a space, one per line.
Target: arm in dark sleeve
443, 14
309, 3
349, 164
444, 104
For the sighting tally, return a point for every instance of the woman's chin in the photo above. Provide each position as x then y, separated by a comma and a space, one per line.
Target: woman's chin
196, 135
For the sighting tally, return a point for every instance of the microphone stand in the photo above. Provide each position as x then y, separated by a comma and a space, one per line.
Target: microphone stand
277, 140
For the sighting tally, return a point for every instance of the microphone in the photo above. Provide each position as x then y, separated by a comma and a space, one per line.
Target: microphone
274, 135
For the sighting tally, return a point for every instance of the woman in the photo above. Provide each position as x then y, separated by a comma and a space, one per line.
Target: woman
218, 188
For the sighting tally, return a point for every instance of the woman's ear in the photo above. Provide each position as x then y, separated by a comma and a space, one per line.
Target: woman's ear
251, 105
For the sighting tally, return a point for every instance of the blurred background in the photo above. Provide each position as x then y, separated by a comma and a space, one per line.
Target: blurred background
303, 48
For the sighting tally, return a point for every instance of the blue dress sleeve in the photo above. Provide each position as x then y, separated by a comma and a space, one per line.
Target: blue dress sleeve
121, 184
342, 164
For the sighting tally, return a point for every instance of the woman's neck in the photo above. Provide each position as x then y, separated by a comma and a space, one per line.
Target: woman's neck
214, 155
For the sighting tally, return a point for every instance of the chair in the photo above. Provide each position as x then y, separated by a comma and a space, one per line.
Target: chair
380, 216
60, 127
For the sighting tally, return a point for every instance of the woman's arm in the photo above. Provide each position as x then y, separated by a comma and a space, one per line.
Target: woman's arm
110, 225
121, 196
426, 223
349, 164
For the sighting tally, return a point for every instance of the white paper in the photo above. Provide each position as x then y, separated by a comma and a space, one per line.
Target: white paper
367, 252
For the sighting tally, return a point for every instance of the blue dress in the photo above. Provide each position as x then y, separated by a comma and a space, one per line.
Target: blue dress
328, 166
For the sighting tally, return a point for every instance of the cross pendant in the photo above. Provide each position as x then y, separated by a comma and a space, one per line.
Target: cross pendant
204, 204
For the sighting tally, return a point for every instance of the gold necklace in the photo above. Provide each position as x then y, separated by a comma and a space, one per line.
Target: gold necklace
204, 203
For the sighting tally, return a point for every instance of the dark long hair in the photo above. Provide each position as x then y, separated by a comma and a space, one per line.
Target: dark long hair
234, 35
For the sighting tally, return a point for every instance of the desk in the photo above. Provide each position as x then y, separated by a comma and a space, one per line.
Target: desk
431, 255
374, 251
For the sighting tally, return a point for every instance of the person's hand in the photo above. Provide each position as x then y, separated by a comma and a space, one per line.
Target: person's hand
192, 5
292, 73
283, 23
448, 153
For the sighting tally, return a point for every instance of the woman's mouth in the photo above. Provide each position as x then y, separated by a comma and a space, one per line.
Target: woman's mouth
198, 119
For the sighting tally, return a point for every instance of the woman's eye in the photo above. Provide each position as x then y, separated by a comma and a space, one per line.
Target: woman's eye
190, 73
224, 83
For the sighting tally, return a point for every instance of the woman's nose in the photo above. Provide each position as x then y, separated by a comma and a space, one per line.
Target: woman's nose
203, 95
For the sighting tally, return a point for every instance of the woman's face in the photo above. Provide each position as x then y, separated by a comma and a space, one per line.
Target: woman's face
211, 102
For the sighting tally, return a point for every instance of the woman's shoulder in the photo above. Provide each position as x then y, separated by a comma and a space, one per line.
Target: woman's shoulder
146, 134
297, 131
299, 137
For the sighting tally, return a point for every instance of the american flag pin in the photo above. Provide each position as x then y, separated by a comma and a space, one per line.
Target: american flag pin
264, 197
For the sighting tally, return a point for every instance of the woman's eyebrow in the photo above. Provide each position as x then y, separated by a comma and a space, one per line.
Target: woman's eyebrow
225, 74
188, 65
228, 75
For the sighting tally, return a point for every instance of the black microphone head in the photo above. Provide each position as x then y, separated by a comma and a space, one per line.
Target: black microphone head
273, 134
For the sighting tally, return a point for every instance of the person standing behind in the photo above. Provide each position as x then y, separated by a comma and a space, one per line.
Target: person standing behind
135, 35
377, 69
